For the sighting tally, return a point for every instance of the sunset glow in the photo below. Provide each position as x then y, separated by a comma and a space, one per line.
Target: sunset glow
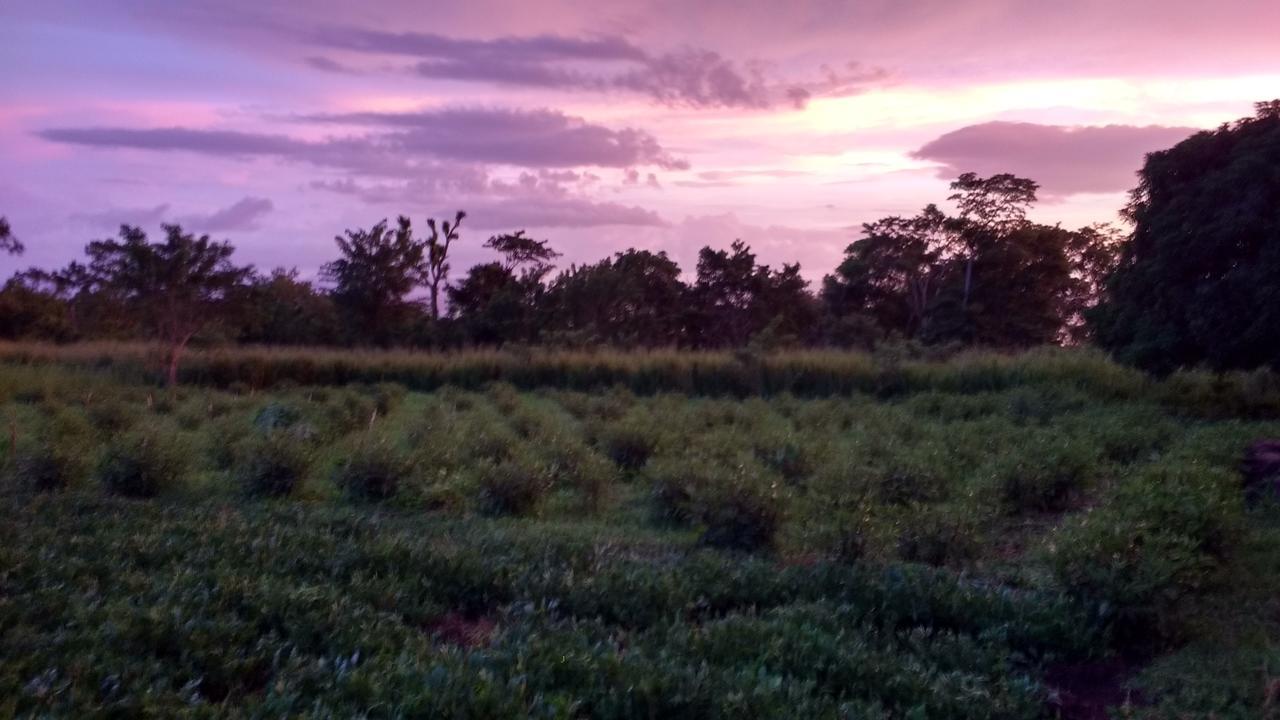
599, 126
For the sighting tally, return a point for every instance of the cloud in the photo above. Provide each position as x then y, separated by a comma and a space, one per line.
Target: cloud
528, 138
1065, 160
243, 215
689, 77
113, 218
408, 144
544, 199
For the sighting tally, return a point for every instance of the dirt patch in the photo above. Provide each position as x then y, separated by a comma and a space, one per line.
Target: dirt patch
1084, 691
457, 629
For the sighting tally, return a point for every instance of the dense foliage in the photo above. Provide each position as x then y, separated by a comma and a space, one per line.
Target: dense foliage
363, 549
1200, 280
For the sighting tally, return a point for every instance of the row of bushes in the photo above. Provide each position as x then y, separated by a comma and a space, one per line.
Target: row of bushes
286, 609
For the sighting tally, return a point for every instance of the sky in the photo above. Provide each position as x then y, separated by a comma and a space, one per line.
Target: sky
596, 124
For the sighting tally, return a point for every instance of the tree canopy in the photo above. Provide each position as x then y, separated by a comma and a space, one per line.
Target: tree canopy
1200, 280
172, 288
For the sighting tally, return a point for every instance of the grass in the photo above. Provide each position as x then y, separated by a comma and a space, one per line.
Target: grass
578, 537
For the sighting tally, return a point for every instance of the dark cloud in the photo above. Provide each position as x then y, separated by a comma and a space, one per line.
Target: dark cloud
1064, 160
243, 215
691, 77
411, 144
528, 138
113, 218
326, 64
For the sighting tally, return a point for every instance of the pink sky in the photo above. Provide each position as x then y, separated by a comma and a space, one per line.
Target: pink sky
599, 125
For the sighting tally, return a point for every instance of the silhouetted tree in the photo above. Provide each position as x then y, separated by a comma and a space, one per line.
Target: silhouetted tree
521, 252
1200, 280
733, 299
8, 243
893, 274
436, 268
377, 270
990, 209
632, 299
174, 288
499, 302
281, 309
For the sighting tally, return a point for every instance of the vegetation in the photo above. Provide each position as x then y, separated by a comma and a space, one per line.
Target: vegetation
948, 540
1198, 281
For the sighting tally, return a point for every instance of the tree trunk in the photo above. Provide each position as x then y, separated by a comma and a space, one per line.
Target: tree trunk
968, 281
175, 355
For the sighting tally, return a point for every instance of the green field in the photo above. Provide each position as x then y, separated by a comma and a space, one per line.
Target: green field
654, 535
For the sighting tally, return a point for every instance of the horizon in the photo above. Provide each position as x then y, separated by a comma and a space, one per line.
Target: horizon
596, 127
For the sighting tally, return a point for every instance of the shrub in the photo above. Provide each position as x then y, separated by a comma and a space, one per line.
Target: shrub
1042, 475
511, 487
938, 536
272, 465
41, 468
742, 516
629, 444
371, 471
737, 506
1157, 539
142, 464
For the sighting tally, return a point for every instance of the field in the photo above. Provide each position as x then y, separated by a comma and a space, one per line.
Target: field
655, 535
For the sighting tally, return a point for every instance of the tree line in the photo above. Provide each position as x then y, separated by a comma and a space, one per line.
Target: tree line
1196, 280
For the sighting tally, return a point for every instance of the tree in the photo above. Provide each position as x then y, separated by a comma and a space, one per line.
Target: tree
733, 299
174, 288
374, 276
1199, 281
893, 274
8, 243
498, 302
631, 300
519, 251
990, 209
436, 268
284, 310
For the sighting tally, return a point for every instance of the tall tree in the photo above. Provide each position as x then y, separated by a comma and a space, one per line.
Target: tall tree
1199, 282
175, 288
499, 302
893, 274
436, 267
372, 279
990, 209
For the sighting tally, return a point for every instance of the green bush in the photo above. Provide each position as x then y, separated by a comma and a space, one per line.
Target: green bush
1042, 475
1160, 537
938, 535
629, 444
372, 470
142, 464
737, 507
511, 487
272, 465
41, 468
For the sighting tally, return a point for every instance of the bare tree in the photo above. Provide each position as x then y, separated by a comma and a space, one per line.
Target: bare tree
436, 271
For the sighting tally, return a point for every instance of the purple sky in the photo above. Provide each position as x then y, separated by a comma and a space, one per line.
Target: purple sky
596, 124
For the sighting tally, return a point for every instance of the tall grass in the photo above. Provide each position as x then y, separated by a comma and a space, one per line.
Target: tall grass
806, 373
